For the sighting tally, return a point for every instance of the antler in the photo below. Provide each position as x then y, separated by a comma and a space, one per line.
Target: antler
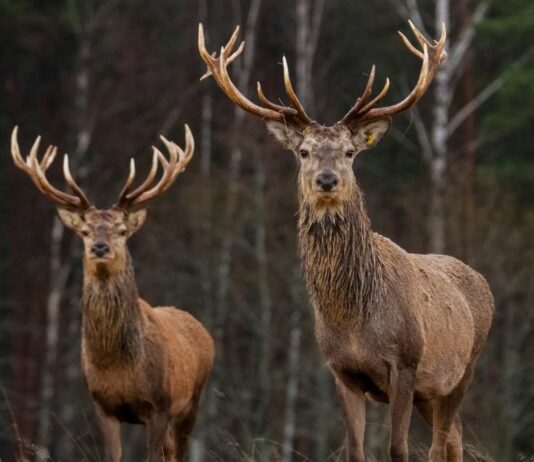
432, 56
178, 160
36, 171
217, 67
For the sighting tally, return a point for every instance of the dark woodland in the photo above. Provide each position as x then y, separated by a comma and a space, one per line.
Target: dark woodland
103, 79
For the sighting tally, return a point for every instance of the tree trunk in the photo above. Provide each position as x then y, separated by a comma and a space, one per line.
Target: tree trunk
439, 135
290, 418
229, 231
60, 268
264, 375
468, 151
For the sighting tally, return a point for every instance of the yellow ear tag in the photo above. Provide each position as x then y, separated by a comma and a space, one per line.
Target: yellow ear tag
370, 138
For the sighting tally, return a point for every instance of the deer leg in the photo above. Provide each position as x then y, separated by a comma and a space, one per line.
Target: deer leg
447, 426
401, 392
425, 409
454, 443
183, 429
111, 432
157, 431
353, 407
169, 449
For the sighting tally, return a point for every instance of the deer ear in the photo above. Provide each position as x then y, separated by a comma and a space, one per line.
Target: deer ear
134, 220
288, 135
71, 219
369, 134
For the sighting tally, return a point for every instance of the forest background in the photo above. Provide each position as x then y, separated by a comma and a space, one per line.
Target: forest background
102, 79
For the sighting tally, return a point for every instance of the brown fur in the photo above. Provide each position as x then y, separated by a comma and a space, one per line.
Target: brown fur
394, 327
141, 364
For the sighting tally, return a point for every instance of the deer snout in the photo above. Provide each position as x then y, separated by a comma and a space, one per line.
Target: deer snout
100, 249
326, 180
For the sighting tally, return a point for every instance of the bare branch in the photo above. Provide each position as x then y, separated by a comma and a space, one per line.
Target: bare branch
409, 10
474, 104
401, 8
422, 134
465, 39
415, 13
484, 95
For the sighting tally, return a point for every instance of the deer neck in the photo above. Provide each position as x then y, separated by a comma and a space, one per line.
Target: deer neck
340, 261
112, 318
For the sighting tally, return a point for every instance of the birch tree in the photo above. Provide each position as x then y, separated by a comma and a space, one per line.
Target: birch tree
85, 22
434, 136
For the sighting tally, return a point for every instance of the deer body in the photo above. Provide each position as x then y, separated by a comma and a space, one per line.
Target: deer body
141, 364
130, 351
378, 307
395, 327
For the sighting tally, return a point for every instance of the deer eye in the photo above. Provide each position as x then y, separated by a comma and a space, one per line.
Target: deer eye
123, 232
304, 153
349, 153
84, 233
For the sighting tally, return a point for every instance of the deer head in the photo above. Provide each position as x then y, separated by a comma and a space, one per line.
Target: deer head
104, 231
325, 154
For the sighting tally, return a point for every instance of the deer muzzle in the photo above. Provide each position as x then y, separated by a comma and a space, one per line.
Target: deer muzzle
327, 180
100, 249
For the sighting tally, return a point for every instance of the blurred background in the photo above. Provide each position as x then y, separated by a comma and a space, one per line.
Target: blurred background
103, 78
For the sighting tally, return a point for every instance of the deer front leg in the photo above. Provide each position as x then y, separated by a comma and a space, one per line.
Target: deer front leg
353, 406
110, 428
157, 431
401, 392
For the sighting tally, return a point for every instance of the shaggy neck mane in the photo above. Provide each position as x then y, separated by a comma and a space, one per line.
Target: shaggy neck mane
340, 261
112, 319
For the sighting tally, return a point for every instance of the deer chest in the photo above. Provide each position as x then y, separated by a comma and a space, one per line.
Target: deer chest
125, 393
355, 360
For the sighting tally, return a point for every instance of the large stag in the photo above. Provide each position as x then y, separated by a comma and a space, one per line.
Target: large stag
394, 327
141, 365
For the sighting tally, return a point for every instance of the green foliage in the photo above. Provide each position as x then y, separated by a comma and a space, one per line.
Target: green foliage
507, 47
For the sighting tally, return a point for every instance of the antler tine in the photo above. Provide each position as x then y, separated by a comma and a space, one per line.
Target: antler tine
231, 43
431, 55
48, 157
275, 107
24, 165
231, 58
52, 192
36, 171
376, 99
365, 95
131, 196
127, 186
27, 166
189, 149
218, 68
70, 180
166, 179
409, 45
178, 159
211, 60
184, 156
15, 152
292, 95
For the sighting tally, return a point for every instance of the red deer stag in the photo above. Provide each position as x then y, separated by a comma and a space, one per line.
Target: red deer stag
395, 327
141, 365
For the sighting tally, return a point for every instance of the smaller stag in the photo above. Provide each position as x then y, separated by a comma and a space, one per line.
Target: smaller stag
394, 327
142, 365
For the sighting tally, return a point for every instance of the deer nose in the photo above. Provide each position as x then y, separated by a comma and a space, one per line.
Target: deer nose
100, 249
326, 180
